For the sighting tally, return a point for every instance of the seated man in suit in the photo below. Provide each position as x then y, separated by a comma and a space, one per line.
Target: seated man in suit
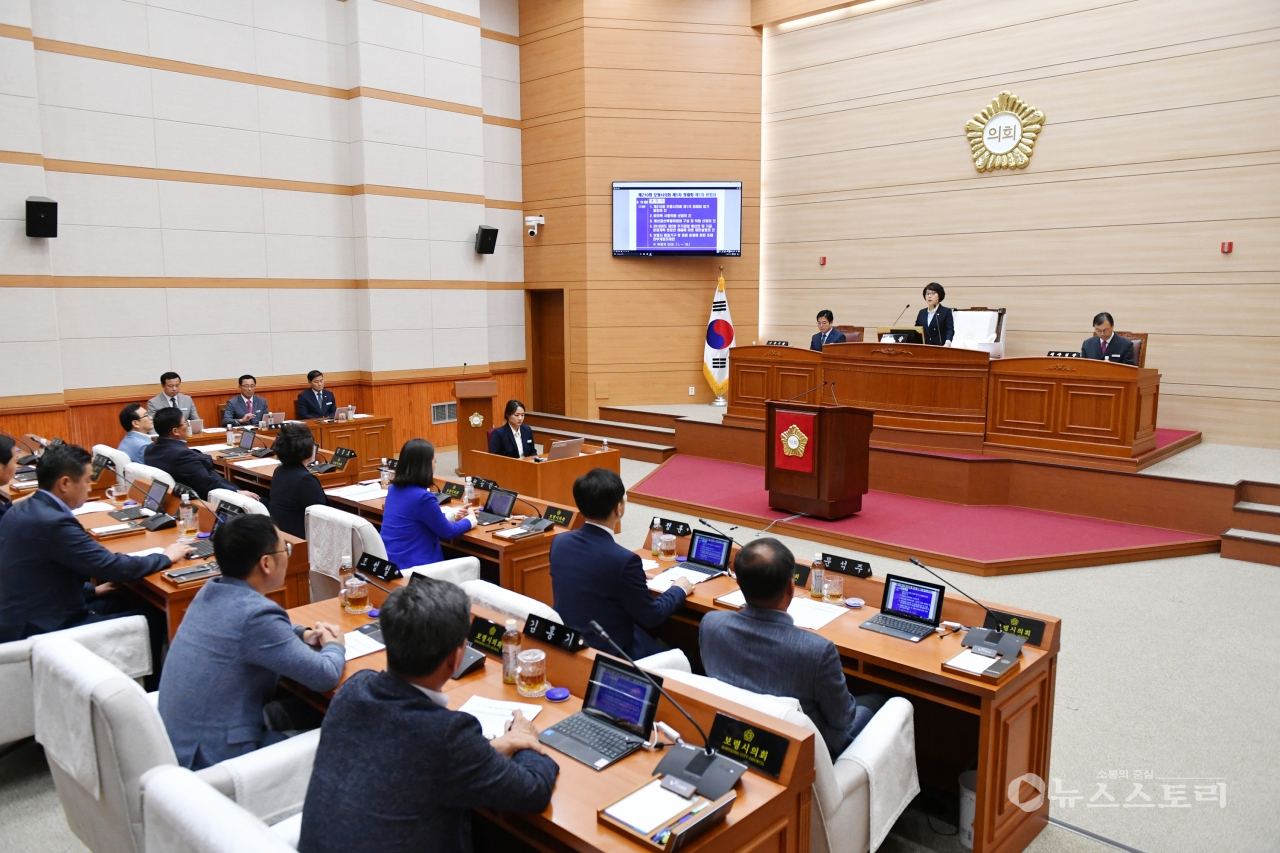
826, 334
514, 439
189, 467
137, 424
48, 559
316, 402
232, 648
389, 739
8, 470
759, 648
593, 577
245, 408
171, 397
1106, 345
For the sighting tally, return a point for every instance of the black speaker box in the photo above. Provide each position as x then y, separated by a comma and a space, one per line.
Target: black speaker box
486, 239
42, 217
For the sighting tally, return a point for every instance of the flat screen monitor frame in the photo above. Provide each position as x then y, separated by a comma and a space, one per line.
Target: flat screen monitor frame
730, 219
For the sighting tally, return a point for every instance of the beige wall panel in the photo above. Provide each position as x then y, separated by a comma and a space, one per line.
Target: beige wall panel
556, 54
539, 15
689, 305
715, 12
554, 141
558, 179
1222, 420
603, 171
710, 53
548, 97
733, 97
548, 263
707, 140
603, 268
566, 226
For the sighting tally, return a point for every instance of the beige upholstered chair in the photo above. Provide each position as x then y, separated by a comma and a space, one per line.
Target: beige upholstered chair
119, 459
249, 505
135, 471
510, 604
979, 329
331, 535
181, 813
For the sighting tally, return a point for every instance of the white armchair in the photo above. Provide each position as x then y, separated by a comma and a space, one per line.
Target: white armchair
119, 459
852, 814
135, 471
456, 571
248, 504
181, 813
101, 734
331, 535
509, 603
979, 329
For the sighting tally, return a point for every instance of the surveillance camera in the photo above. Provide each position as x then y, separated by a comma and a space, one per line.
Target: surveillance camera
531, 223
533, 232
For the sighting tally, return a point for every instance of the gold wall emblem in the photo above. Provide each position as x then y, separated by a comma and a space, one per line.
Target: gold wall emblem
1004, 134
476, 419
794, 441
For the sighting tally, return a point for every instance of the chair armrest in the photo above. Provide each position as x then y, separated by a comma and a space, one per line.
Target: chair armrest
457, 571
670, 659
17, 652
270, 782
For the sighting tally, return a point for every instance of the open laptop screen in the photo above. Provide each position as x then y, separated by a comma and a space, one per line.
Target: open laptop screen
912, 599
710, 550
501, 502
619, 695
155, 496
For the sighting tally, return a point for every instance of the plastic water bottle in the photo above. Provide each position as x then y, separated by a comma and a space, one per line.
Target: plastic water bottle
511, 643
654, 536
189, 527
604, 448
468, 492
816, 577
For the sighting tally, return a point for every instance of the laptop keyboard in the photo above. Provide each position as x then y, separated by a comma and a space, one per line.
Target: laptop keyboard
490, 517
133, 513
694, 567
605, 740
202, 548
903, 625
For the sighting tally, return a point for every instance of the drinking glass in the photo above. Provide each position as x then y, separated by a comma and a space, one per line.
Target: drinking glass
117, 494
833, 588
531, 673
355, 596
667, 546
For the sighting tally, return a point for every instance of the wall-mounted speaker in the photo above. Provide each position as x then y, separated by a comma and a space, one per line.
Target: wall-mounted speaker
486, 239
42, 217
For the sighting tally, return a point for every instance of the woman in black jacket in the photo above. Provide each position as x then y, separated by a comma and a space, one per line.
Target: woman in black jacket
293, 487
938, 324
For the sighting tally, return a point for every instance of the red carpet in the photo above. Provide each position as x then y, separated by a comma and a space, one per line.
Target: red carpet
979, 533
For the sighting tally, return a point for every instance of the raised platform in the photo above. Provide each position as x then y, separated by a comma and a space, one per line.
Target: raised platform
979, 539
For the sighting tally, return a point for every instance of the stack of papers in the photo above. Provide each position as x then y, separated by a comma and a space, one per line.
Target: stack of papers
359, 645
358, 492
214, 429
495, 714
648, 808
805, 612
663, 582
146, 552
971, 662
255, 463
93, 506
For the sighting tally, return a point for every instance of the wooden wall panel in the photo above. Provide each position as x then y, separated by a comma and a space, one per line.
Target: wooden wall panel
606, 96
1131, 189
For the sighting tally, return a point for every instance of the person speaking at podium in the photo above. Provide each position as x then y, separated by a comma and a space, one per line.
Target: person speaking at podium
936, 320
514, 439
1106, 345
826, 333
315, 402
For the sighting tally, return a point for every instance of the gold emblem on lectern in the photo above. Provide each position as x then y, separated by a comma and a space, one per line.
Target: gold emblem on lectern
794, 441
476, 419
1004, 134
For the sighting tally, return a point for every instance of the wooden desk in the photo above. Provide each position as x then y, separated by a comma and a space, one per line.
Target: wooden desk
1066, 409
551, 481
523, 566
768, 814
372, 437
258, 478
1008, 726
760, 373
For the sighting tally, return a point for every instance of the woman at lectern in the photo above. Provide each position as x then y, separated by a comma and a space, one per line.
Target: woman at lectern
513, 439
936, 320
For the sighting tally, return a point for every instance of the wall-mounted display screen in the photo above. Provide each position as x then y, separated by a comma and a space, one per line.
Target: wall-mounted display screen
652, 218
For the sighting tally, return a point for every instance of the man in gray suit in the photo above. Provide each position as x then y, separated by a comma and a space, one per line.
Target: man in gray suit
233, 646
171, 397
759, 648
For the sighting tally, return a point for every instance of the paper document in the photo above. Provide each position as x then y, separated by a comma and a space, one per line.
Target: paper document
146, 552
811, 614
211, 449
359, 645
648, 808
93, 506
733, 599
358, 492
362, 416
214, 429
649, 565
663, 582
494, 714
971, 662
255, 463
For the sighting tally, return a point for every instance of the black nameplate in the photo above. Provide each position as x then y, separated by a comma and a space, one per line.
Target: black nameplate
99, 462
675, 528
558, 515
551, 631
383, 570
760, 749
486, 636
392, 463
802, 575
846, 566
1031, 630
453, 490
482, 483
778, 343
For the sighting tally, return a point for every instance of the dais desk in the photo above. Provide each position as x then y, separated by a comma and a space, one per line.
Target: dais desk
551, 480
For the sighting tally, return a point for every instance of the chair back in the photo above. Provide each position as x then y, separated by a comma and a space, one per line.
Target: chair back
456, 571
852, 334
1139, 340
511, 604
330, 534
128, 738
135, 471
119, 459
184, 814
248, 504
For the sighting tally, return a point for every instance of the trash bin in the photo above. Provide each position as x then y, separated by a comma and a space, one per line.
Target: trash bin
968, 806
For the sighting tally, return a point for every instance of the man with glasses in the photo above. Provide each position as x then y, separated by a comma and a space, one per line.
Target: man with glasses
233, 647
245, 408
137, 425
170, 453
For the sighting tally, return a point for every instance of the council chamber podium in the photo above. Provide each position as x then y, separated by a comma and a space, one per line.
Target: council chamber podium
816, 457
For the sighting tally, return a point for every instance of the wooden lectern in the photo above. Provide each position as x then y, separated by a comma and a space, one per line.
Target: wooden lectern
816, 458
475, 415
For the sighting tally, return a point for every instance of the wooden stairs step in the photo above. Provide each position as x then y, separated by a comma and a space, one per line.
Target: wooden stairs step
1251, 545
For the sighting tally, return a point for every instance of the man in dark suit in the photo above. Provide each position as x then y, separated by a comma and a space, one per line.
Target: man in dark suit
48, 559
935, 318
759, 648
514, 439
232, 648
826, 334
316, 402
396, 769
245, 408
1106, 345
189, 467
593, 577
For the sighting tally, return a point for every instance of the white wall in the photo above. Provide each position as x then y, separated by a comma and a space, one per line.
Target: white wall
224, 145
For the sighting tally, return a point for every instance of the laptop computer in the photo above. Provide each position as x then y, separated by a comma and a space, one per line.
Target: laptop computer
708, 554
911, 609
615, 720
204, 547
242, 449
567, 449
498, 507
150, 504
196, 425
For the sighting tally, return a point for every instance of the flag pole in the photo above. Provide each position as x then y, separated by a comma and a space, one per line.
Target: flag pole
720, 399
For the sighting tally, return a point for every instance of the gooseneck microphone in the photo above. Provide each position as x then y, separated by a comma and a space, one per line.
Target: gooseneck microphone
706, 523
961, 591
803, 393
899, 317
531, 505
991, 642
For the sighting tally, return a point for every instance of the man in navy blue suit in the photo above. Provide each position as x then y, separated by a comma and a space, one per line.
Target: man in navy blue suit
48, 559
316, 402
1106, 345
826, 334
593, 577
189, 467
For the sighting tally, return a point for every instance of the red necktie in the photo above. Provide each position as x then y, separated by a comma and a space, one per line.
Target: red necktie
1104, 347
